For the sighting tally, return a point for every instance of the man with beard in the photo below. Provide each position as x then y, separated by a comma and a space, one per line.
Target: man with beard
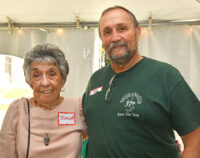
133, 105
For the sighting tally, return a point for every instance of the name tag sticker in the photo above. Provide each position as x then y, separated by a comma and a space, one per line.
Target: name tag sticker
66, 118
94, 91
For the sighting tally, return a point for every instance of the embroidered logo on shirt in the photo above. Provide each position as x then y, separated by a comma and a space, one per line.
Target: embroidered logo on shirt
94, 91
129, 101
66, 118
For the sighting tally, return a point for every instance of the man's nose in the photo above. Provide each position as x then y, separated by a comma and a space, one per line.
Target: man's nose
115, 36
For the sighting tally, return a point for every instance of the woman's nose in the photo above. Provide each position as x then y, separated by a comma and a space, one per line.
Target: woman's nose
45, 80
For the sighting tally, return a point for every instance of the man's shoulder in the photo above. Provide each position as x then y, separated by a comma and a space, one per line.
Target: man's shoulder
101, 71
157, 64
162, 69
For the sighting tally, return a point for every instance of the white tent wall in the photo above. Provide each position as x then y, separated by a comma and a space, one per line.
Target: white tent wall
178, 46
78, 46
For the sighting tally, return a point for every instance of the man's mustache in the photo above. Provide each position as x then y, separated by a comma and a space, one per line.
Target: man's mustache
115, 44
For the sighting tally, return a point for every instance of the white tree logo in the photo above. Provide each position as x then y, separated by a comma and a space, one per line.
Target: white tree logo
130, 100
130, 105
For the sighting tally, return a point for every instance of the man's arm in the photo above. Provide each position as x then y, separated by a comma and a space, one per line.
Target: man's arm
191, 143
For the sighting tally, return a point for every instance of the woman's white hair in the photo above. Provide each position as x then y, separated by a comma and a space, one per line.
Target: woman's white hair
46, 53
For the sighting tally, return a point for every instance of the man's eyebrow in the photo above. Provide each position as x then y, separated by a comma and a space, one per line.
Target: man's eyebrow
120, 24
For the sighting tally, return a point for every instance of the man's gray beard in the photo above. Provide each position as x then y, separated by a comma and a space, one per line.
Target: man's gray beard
122, 60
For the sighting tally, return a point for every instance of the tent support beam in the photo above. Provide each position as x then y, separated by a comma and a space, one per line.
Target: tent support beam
144, 23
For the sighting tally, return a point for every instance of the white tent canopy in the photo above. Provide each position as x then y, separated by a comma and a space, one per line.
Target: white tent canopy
63, 11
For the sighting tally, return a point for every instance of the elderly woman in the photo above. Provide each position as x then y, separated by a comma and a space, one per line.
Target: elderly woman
46, 125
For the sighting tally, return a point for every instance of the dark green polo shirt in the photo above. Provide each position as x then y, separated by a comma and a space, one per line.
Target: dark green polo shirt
147, 103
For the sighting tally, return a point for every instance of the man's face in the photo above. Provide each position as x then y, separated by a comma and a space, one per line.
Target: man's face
119, 36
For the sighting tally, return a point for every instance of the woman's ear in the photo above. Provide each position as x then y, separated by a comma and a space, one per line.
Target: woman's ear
63, 83
29, 84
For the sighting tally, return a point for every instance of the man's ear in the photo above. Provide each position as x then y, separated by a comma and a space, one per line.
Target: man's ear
139, 32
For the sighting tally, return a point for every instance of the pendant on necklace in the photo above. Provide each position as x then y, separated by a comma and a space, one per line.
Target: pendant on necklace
46, 139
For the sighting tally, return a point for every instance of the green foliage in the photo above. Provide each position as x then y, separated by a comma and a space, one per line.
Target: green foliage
107, 60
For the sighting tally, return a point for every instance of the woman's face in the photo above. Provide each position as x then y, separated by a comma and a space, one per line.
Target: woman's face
46, 82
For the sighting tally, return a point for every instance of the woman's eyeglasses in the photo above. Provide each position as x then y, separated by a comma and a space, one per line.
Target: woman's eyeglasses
108, 92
